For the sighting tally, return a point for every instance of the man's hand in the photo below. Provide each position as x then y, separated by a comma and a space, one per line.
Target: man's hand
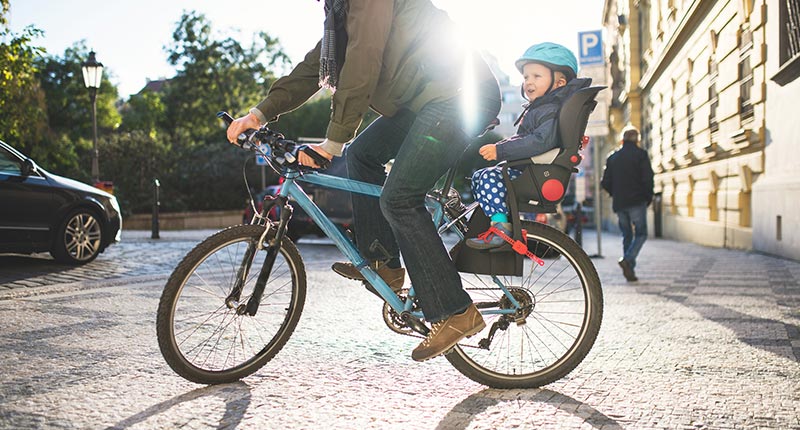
239, 125
306, 160
488, 152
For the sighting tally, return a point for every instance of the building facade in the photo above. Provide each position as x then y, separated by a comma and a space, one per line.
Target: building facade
694, 76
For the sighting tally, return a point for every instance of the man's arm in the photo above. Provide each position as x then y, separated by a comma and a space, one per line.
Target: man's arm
292, 90
647, 176
606, 181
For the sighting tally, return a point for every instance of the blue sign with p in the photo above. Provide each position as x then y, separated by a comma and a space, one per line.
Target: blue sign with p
590, 47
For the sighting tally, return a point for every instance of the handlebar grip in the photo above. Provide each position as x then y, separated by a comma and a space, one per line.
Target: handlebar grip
321, 161
225, 117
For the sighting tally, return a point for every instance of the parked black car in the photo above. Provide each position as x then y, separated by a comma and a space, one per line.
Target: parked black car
40, 211
335, 204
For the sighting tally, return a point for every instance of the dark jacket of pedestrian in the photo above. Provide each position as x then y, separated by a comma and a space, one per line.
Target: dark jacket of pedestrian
628, 177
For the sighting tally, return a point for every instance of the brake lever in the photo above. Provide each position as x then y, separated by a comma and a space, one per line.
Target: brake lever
318, 158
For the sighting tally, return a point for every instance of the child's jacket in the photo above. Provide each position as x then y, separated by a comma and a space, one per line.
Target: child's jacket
538, 131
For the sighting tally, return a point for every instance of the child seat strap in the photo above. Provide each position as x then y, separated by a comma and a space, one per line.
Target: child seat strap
518, 246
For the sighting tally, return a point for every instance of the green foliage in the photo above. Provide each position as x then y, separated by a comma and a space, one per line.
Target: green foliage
214, 75
144, 112
65, 147
133, 159
22, 116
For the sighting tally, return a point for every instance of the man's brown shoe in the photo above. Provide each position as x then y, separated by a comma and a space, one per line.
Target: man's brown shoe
393, 277
627, 271
445, 334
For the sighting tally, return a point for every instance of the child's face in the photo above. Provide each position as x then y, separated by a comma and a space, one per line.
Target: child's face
537, 80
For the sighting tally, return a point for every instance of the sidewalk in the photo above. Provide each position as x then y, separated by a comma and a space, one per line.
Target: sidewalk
706, 339
754, 295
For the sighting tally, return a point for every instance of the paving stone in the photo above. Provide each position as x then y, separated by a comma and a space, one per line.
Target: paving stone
707, 339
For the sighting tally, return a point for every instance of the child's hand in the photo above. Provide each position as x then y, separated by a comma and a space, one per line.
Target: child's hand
488, 152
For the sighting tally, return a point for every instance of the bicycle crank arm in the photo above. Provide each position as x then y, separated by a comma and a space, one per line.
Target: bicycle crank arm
414, 323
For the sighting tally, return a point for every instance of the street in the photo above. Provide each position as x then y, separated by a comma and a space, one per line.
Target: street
708, 338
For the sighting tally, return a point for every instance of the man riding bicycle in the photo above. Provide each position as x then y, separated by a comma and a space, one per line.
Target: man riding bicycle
401, 59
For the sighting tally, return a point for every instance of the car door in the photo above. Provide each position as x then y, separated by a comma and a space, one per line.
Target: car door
26, 206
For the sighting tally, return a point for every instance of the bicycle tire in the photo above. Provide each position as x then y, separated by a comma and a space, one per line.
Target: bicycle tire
556, 298
200, 283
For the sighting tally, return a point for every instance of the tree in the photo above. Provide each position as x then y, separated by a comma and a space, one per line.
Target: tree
212, 75
66, 145
133, 159
22, 118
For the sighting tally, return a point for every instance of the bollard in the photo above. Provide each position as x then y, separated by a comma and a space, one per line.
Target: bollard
579, 224
156, 204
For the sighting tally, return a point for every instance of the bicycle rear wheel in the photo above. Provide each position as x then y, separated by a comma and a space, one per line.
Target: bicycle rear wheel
208, 341
562, 308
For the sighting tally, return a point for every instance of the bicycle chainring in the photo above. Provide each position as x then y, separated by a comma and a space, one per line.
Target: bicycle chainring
393, 320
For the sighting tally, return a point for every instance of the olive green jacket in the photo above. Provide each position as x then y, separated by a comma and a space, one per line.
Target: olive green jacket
400, 54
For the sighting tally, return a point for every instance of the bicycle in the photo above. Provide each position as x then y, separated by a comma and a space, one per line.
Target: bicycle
220, 319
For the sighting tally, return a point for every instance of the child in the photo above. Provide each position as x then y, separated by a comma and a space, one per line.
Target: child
548, 70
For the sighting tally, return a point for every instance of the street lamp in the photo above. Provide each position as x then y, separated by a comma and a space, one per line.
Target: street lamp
92, 75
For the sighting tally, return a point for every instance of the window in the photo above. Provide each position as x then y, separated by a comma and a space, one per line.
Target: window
689, 112
789, 46
745, 88
713, 96
672, 115
9, 164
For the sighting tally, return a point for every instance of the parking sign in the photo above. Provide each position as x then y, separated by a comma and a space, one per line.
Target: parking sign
590, 45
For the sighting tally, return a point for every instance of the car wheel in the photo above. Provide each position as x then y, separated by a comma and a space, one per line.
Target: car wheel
79, 238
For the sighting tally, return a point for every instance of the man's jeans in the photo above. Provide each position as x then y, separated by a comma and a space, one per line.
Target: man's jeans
633, 223
423, 146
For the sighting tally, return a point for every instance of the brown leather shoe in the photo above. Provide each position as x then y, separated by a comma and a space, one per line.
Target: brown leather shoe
393, 277
627, 271
445, 334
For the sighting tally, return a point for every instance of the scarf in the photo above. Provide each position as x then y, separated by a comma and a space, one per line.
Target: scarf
334, 43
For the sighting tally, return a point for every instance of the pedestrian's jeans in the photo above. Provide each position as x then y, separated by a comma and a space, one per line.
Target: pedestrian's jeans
423, 146
633, 223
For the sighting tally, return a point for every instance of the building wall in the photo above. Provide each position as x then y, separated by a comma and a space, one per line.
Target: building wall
776, 211
700, 103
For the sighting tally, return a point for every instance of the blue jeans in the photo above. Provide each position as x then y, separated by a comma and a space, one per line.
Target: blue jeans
423, 146
633, 223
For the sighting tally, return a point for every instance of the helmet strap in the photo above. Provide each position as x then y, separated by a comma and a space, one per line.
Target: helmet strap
552, 81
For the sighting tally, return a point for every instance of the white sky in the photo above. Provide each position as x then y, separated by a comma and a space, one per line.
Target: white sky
129, 35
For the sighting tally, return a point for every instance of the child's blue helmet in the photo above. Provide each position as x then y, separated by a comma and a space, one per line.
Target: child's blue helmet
552, 55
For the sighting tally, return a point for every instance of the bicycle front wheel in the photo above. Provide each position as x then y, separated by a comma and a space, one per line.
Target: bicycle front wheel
204, 334
561, 308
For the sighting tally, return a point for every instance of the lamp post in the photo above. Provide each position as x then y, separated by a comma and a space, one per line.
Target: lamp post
92, 75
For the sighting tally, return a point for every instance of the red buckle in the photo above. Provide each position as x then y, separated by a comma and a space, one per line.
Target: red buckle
518, 246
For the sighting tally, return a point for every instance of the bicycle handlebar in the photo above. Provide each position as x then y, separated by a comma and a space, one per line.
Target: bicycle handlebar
280, 150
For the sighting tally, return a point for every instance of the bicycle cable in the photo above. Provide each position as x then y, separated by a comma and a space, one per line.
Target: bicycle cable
247, 185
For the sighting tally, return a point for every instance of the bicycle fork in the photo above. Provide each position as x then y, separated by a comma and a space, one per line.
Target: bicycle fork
273, 247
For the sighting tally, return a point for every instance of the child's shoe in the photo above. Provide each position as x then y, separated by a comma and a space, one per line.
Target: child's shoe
490, 240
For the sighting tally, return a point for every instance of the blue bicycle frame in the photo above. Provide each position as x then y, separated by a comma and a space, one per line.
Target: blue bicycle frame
291, 189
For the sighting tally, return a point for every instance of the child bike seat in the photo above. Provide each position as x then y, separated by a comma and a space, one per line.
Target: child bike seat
545, 177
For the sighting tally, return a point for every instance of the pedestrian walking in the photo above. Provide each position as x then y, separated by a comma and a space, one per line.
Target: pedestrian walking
628, 177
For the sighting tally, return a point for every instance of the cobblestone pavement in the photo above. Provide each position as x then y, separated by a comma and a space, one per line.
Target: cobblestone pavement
707, 338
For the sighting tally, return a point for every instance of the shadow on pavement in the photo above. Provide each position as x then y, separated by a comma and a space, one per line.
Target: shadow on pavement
15, 267
780, 281
236, 395
479, 402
